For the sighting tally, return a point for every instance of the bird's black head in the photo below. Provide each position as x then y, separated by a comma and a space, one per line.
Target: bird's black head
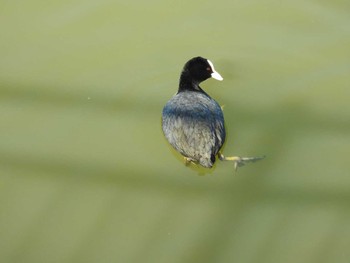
197, 70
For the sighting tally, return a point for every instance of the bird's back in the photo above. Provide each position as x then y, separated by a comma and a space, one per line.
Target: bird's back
193, 123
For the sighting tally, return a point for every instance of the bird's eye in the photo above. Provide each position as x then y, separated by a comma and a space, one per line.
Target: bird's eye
208, 69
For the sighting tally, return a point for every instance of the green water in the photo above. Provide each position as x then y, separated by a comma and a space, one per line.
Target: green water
86, 175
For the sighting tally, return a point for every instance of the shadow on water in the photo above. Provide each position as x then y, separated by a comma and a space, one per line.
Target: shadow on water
277, 125
39, 94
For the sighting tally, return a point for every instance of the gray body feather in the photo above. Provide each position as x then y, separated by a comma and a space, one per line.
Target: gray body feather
193, 123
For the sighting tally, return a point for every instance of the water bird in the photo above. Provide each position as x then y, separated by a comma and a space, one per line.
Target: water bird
193, 122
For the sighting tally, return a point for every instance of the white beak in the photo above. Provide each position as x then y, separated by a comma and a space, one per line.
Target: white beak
215, 74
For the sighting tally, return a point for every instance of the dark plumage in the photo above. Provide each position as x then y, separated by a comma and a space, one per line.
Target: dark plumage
192, 121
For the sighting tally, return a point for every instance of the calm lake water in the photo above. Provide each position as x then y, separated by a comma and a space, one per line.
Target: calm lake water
86, 175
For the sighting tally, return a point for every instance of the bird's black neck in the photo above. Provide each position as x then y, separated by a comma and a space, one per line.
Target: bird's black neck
188, 83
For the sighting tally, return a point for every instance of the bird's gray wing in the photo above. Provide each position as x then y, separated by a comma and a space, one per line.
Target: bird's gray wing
197, 134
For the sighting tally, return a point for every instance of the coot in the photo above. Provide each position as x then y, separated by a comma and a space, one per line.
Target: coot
193, 122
